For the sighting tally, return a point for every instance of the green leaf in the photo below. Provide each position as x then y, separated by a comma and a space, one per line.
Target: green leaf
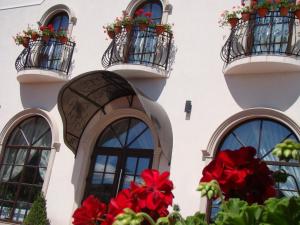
284, 211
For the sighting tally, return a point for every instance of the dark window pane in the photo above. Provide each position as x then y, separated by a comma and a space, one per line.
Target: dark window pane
10, 191
20, 211
97, 178
109, 139
29, 174
16, 174
21, 156
44, 158
131, 165
6, 210
17, 138
136, 128
111, 164
116, 165
40, 176
143, 164
127, 181
24, 166
9, 155
108, 178
34, 158
100, 163
145, 141
5, 172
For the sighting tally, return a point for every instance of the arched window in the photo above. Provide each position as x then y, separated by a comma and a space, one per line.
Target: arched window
263, 134
153, 6
53, 52
123, 150
272, 33
60, 21
23, 166
143, 43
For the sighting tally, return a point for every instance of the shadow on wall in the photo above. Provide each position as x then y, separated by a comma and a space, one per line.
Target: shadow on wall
278, 91
43, 96
151, 88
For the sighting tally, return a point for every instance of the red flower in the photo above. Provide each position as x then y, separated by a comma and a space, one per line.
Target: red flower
51, 28
91, 211
241, 175
139, 12
148, 14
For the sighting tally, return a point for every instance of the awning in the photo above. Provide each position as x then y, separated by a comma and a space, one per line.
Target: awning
85, 95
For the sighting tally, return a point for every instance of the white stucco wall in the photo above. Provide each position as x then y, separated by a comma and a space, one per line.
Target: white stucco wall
197, 75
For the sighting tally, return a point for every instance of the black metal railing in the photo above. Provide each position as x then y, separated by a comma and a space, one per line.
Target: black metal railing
50, 55
270, 35
140, 47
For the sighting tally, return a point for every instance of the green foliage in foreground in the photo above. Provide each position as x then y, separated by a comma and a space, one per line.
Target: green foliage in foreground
284, 211
38, 212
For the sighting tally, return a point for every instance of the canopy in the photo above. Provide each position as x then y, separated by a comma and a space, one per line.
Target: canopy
85, 95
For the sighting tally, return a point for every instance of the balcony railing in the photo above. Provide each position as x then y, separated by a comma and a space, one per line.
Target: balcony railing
52, 55
140, 47
270, 35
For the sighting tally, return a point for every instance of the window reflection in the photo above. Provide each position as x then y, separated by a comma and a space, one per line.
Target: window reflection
23, 167
123, 151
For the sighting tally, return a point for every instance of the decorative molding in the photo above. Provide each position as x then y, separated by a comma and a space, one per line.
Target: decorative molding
18, 118
243, 116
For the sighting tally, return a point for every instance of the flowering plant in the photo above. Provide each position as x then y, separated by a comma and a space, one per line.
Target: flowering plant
153, 197
283, 3
226, 15
126, 19
241, 175
47, 30
142, 17
233, 176
266, 4
296, 6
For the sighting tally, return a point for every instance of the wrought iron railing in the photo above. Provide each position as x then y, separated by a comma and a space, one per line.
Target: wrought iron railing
270, 35
140, 47
50, 55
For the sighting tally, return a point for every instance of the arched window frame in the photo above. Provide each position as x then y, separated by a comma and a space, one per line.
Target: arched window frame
166, 8
121, 156
55, 146
88, 140
54, 10
236, 120
14, 122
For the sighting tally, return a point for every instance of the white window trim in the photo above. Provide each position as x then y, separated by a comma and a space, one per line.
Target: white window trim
134, 4
88, 140
55, 10
55, 145
252, 113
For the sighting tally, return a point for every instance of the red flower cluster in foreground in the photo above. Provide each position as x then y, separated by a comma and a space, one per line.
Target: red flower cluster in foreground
153, 197
241, 175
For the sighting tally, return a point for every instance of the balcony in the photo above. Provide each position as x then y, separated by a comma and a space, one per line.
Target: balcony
45, 61
263, 45
140, 53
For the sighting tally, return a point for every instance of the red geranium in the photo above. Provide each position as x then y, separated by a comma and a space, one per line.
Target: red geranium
148, 14
153, 197
241, 175
139, 12
91, 211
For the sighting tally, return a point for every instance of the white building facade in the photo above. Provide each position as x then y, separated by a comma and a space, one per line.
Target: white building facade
90, 117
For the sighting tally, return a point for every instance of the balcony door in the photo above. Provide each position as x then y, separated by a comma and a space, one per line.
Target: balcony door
143, 44
123, 150
271, 34
52, 52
